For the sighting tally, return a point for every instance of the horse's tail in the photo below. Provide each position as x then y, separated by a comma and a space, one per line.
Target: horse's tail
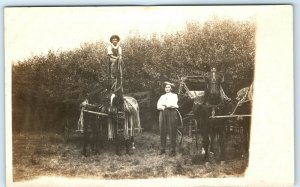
132, 116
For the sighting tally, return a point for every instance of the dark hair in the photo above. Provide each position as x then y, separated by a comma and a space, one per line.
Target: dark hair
114, 37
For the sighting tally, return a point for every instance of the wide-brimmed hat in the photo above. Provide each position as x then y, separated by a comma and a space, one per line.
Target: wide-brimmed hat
113, 37
168, 83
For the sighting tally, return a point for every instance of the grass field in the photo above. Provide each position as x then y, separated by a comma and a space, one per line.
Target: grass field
46, 154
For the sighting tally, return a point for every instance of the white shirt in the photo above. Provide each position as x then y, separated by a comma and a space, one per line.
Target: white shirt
111, 46
168, 100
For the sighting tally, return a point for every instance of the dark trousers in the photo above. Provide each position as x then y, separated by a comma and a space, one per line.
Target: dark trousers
168, 120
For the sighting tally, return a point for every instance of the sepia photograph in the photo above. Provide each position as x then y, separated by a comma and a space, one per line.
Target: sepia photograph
126, 95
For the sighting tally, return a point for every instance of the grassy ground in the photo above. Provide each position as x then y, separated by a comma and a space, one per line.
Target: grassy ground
46, 154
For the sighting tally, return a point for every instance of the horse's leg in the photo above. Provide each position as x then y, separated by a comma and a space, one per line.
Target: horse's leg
117, 141
96, 135
222, 144
206, 140
129, 142
132, 142
247, 137
206, 143
196, 134
85, 142
127, 145
92, 138
85, 135
101, 135
206, 130
220, 129
246, 133
215, 134
212, 136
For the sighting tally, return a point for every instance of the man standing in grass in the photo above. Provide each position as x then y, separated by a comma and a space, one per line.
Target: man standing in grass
168, 118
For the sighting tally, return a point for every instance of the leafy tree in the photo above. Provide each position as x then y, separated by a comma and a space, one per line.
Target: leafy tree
48, 89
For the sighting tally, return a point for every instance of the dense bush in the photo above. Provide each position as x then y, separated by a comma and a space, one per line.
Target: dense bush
48, 89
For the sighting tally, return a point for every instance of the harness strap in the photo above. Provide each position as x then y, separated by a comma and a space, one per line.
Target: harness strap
224, 95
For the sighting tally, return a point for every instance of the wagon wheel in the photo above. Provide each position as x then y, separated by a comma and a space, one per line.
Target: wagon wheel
191, 129
195, 137
179, 136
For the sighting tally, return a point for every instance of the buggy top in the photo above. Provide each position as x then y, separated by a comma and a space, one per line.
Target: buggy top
193, 87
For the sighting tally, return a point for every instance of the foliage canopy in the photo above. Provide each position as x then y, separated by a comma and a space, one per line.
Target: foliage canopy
48, 89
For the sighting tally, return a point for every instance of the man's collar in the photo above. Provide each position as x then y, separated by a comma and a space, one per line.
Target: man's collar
115, 47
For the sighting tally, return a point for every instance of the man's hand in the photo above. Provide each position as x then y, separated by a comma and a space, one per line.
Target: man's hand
115, 57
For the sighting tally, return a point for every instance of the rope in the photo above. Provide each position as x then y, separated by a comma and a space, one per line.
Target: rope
224, 95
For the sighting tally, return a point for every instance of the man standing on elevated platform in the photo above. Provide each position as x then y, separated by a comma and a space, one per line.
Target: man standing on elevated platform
114, 52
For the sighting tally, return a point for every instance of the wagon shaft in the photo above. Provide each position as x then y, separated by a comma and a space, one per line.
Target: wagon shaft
97, 113
231, 116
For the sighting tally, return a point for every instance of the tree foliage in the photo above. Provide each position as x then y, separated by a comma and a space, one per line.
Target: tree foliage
47, 89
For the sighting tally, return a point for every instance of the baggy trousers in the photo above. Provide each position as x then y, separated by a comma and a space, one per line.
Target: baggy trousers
168, 120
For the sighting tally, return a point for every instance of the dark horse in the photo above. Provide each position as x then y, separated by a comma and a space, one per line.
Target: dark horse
209, 127
112, 116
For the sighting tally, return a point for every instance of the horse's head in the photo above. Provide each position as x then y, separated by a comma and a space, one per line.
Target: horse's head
110, 102
116, 98
213, 94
